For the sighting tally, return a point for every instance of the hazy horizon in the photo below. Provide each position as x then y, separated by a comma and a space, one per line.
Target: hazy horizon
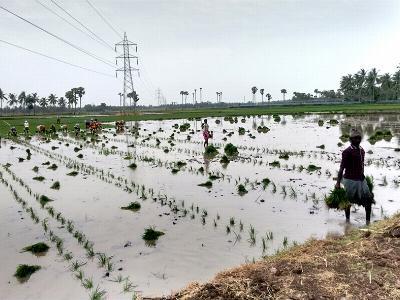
226, 46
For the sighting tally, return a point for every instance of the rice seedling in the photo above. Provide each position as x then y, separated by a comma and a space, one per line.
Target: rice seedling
264, 244
132, 166
285, 242
228, 229
55, 185
275, 163
231, 150
320, 122
284, 156
224, 160
241, 131
87, 283
80, 155
43, 200
252, 235
102, 260
23, 272
312, 168
174, 170
38, 248
79, 275
150, 234
76, 265
90, 252
38, 178
97, 294
265, 182
70, 226
293, 193
133, 206
321, 146
53, 167
68, 256
207, 184
47, 163
45, 225
214, 177
73, 173
273, 188
337, 199
109, 266
35, 169
215, 223
240, 225
283, 192
241, 190
210, 151
232, 221
128, 286
270, 236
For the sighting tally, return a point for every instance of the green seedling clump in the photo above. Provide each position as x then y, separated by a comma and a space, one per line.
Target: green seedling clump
242, 131
25, 271
241, 189
36, 248
312, 168
231, 150
132, 166
213, 177
38, 178
55, 185
266, 182
337, 199
224, 160
262, 129
53, 167
135, 206
275, 164
284, 156
207, 184
35, 169
73, 173
210, 151
380, 135
184, 127
44, 200
150, 234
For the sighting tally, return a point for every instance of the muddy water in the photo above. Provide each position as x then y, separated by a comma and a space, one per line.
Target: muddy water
193, 247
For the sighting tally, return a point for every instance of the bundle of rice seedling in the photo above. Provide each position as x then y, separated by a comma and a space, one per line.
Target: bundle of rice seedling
231, 150
337, 199
210, 151
370, 182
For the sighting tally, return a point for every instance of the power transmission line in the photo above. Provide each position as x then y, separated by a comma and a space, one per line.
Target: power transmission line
80, 23
59, 38
56, 59
74, 26
104, 19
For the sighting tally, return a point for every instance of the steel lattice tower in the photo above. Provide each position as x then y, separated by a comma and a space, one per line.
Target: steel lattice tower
127, 68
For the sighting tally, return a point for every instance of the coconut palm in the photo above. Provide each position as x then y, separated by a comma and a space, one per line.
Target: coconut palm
396, 84
2, 98
52, 100
359, 79
43, 102
262, 95
386, 85
283, 92
70, 95
316, 92
269, 97
254, 90
347, 86
80, 91
12, 99
61, 102
186, 94
182, 93
370, 82
30, 101
22, 99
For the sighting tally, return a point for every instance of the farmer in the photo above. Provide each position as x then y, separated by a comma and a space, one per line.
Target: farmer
77, 129
206, 133
58, 120
355, 184
26, 127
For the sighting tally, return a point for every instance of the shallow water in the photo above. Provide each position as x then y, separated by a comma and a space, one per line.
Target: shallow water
193, 248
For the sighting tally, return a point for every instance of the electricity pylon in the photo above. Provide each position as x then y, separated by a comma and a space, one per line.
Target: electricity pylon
127, 68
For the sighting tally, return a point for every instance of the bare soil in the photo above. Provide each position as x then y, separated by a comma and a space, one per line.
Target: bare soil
364, 264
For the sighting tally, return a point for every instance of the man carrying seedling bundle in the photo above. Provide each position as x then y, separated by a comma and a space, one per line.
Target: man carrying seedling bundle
206, 132
355, 184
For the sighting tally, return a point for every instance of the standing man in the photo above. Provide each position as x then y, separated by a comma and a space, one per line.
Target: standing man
355, 184
206, 133
26, 127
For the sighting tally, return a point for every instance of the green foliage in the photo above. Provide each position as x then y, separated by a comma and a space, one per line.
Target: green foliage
55, 185
37, 248
73, 173
275, 164
262, 129
184, 127
224, 160
24, 271
266, 182
241, 131
150, 234
312, 168
134, 206
39, 178
207, 184
241, 189
284, 156
210, 151
380, 135
231, 150
43, 199
370, 183
337, 199
132, 166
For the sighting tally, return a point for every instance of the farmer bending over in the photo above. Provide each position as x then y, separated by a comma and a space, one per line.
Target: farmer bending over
26, 127
355, 184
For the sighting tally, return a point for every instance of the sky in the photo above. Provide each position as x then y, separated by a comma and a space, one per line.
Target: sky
216, 45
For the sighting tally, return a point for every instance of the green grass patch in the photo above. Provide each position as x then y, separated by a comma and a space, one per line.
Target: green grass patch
151, 234
37, 248
25, 271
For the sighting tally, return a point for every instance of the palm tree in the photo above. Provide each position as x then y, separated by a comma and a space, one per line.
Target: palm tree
347, 86
254, 90
201, 95
283, 92
268, 96
186, 94
61, 102
31, 101
12, 99
2, 97
386, 84
262, 95
43, 102
182, 93
52, 100
195, 96
370, 82
22, 99
70, 95
316, 91
80, 91
360, 82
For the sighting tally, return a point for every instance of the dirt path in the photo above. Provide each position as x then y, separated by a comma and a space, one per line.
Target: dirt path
364, 264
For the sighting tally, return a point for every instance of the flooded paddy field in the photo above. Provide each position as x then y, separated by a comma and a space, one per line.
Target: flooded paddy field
145, 212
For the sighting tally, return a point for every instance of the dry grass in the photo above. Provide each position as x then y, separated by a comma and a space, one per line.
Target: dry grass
365, 264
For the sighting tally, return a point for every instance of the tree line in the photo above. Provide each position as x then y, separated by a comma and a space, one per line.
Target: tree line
30, 102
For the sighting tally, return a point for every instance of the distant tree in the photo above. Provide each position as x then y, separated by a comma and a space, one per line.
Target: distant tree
283, 92
262, 95
21, 99
2, 98
43, 102
269, 97
386, 86
186, 94
80, 91
52, 100
71, 97
12, 99
371, 82
134, 97
182, 93
61, 102
316, 92
31, 101
396, 83
254, 90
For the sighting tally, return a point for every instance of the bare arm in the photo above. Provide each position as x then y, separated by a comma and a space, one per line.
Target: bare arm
341, 169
